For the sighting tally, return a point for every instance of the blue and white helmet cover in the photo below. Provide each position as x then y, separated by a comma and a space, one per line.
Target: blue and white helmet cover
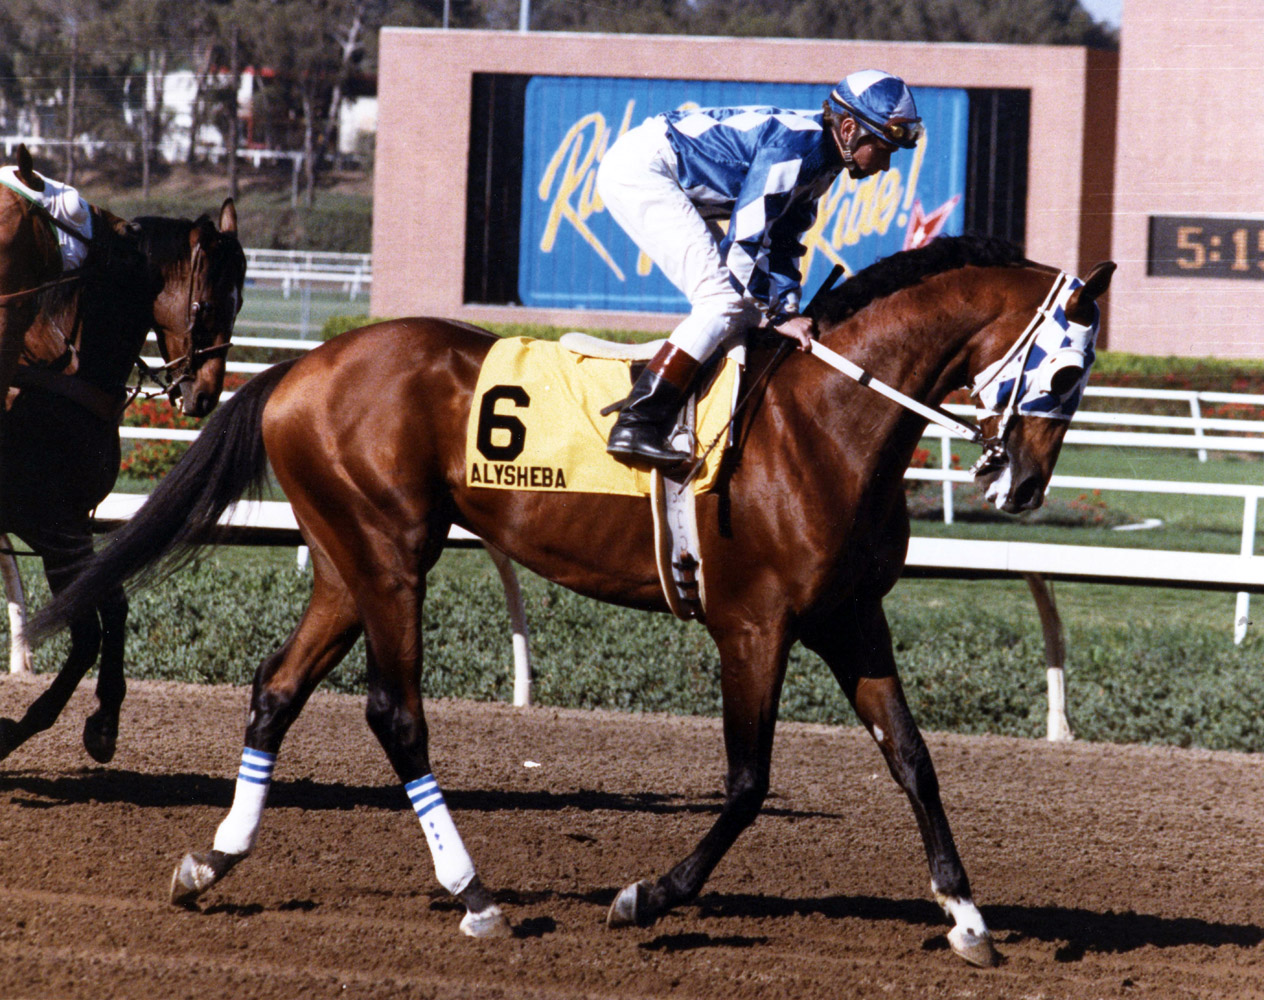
1059, 344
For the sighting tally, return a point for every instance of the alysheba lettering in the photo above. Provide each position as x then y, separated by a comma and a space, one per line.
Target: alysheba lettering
536, 477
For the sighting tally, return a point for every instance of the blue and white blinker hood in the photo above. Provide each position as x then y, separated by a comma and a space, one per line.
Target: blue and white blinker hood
1050, 347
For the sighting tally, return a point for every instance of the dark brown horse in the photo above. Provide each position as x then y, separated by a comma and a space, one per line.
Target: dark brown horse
60, 448
801, 540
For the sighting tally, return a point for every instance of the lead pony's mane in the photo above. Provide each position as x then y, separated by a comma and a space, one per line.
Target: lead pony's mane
113, 292
901, 270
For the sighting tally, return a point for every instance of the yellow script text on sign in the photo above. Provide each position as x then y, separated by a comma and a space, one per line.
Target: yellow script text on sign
536, 423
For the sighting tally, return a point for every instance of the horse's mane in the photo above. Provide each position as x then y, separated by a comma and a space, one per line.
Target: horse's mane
164, 241
901, 270
114, 286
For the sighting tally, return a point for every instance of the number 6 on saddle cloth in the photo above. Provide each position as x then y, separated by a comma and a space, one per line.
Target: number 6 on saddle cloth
540, 419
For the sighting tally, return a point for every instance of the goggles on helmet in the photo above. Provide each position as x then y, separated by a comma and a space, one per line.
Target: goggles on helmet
897, 132
902, 132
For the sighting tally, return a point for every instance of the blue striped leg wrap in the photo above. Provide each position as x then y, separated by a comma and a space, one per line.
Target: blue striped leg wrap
236, 834
452, 862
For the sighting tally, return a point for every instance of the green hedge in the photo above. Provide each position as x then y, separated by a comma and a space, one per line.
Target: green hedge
966, 669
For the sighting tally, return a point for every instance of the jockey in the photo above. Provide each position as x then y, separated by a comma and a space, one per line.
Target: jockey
668, 181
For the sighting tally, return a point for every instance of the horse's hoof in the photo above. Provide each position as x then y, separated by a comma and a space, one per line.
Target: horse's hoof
100, 738
192, 877
11, 737
198, 872
628, 908
488, 923
977, 949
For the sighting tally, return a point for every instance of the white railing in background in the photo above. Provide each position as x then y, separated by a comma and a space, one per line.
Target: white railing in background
291, 269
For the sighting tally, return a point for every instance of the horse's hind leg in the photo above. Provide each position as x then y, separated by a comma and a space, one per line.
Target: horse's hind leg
282, 685
100, 729
392, 618
85, 640
856, 645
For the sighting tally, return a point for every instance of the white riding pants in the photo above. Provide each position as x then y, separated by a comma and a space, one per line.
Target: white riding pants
638, 184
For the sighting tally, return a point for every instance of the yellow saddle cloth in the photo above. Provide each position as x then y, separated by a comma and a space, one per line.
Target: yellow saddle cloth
536, 423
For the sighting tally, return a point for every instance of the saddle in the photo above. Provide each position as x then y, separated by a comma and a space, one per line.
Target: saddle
677, 551
539, 420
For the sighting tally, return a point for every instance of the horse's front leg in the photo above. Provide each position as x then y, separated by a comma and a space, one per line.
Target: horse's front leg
856, 644
100, 729
752, 666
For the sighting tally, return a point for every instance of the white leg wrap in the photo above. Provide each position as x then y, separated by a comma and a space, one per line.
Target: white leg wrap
963, 913
453, 866
236, 834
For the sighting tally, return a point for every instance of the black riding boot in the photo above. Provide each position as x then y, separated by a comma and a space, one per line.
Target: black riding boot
639, 435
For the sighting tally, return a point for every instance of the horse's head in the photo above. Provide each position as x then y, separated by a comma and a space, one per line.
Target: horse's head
1029, 382
201, 277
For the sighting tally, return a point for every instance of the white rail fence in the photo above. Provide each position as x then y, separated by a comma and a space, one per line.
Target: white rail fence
298, 269
943, 557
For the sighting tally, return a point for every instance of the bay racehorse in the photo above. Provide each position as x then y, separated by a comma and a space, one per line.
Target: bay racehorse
60, 449
801, 539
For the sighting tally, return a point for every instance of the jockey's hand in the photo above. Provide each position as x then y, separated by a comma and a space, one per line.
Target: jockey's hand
799, 329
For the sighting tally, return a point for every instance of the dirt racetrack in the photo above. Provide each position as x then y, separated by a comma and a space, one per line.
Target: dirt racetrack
1103, 871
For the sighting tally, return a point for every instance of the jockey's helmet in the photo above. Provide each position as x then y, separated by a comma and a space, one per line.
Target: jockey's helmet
880, 103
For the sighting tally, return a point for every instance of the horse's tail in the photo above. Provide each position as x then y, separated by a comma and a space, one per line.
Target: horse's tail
226, 461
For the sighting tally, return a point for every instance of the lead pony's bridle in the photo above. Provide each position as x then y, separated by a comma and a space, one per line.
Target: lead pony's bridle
169, 377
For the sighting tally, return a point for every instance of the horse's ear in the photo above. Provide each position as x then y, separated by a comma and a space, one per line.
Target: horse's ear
26, 169
228, 217
1079, 307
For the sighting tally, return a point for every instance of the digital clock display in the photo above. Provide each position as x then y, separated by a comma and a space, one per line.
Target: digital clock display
1205, 247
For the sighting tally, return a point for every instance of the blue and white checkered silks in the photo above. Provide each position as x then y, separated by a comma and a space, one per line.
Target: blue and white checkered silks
452, 862
236, 834
1052, 346
765, 168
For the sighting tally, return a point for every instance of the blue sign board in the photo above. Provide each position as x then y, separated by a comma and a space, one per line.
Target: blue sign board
574, 255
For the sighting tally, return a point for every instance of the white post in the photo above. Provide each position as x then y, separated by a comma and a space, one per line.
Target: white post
19, 648
1058, 728
523, 673
1196, 411
945, 463
1242, 614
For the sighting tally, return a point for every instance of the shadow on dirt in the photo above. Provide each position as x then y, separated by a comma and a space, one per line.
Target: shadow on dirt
38, 791
1075, 932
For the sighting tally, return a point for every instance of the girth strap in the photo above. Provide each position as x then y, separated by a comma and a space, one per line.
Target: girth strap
101, 403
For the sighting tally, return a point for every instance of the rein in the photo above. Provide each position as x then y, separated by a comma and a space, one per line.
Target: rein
65, 279
854, 371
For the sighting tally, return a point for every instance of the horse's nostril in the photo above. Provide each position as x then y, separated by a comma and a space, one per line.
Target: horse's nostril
1029, 495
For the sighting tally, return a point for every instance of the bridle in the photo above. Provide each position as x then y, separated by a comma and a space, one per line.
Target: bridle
994, 446
65, 278
169, 377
